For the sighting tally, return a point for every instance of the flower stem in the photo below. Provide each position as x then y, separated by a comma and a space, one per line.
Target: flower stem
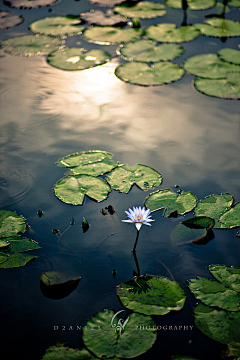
136, 240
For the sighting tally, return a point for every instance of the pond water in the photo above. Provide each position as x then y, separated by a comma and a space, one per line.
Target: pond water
47, 113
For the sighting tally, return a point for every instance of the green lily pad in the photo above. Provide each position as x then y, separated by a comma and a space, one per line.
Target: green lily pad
110, 35
3, 257
171, 202
56, 285
220, 325
11, 224
124, 177
30, 45
7, 20
139, 73
214, 206
161, 297
58, 26
142, 9
170, 34
94, 169
61, 352
228, 276
84, 158
17, 260
229, 55
209, 66
149, 51
192, 4
233, 350
98, 17
107, 342
30, 3
108, 3
234, 3
77, 59
21, 244
231, 218
219, 28
4, 245
228, 88
72, 189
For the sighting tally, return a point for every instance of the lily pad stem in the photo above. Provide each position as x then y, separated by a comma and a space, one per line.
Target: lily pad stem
136, 240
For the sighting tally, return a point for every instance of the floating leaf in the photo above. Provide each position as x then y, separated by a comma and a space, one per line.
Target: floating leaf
77, 59
104, 3
58, 25
72, 189
228, 276
149, 51
20, 244
124, 177
94, 169
209, 66
7, 20
142, 9
229, 55
231, 218
56, 285
171, 201
192, 4
98, 17
219, 28
110, 35
233, 350
159, 73
170, 34
30, 45
214, 206
234, 3
3, 257
84, 158
17, 260
61, 352
162, 296
4, 245
220, 325
106, 342
228, 88
11, 224
30, 3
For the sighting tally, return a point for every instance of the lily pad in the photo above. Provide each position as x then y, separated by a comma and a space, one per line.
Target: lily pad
72, 189
17, 260
30, 3
214, 206
192, 4
21, 244
228, 88
209, 66
11, 224
77, 59
56, 285
234, 3
7, 20
58, 26
231, 218
220, 325
139, 73
98, 17
84, 158
124, 177
233, 350
230, 55
30, 45
4, 245
108, 343
169, 33
161, 297
228, 276
171, 202
110, 35
149, 51
109, 3
219, 28
94, 169
3, 257
142, 9
61, 352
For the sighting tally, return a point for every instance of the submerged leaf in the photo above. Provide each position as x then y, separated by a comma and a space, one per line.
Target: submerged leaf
110, 35
58, 26
84, 158
56, 285
219, 28
192, 4
60, 352
142, 9
170, 34
7, 20
17, 260
11, 224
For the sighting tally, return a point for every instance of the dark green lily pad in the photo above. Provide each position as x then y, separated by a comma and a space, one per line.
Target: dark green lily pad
30, 3
7, 20
56, 285
17, 260
4, 245
149, 51
30, 45
219, 28
214, 206
3, 257
209, 66
110, 35
229, 55
192, 4
234, 3
98, 17
142, 9
77, 59
84, 158
58, 26
11, 224
170, 34
72, 189
228, 88
231, 218
107, 343
161, 297
61, 352
173, 203
94, 169
233, 350
124, 177
228, 276
139, 73
109, 3
21, 244
220, 325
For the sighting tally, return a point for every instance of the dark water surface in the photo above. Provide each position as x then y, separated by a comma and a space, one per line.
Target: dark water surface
46, 113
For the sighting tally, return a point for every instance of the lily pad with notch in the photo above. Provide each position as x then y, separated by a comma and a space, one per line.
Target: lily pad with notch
11, 224
61, 352
21, 244
219, 28
129, 343
171, 202
29, 4
17, 260
149, 51
123, 177
94, 169
192, 4
84, 158
168, 33
56, 285
110, 35
99, 18
58, 26
230, 55
7, 20
161, 296
77, 59
141, 9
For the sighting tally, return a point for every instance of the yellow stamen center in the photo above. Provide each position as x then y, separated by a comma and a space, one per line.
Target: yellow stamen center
138, 218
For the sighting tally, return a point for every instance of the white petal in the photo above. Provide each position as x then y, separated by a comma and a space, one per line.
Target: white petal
138, 226
129, 215
146, 223
129, 221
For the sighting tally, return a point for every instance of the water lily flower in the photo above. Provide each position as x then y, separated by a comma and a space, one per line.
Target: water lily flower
139, 216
